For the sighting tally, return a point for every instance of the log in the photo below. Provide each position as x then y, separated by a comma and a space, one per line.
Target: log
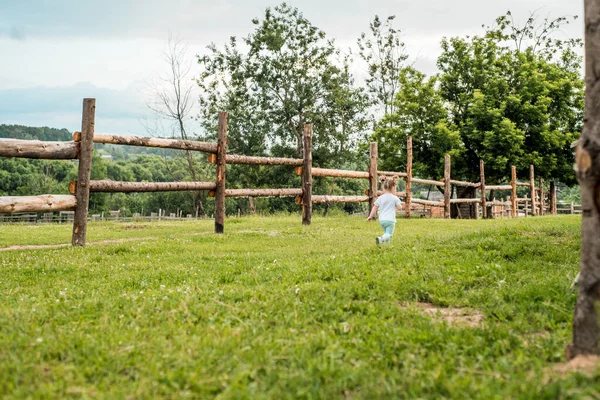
513, 188
318, 199
252, 160
447, 188
542, 200
263, 192
428, 182
221, 173
532, 190
39, 149
178, 144
498, 187
109, 186
339, 173
465, 184
523, 184
428, 202
380, 192
482, 189
43, 203
86, 147
465, 201
390, 173
307, 174
553, 198
372, 174
586, 329
409, 162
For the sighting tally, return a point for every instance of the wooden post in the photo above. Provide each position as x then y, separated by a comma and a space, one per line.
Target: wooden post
553, 198
372, 174
221, 173
532, 190
307, 176
526, 207
408, 191
586, 329
86, 147
482, 188
447, 187
513, 193
572, 208
542, 200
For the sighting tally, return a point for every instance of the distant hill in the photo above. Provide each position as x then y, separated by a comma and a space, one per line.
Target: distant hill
34, 133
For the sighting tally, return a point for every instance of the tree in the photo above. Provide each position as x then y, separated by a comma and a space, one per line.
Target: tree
287, 77
515, 95
385, 54
420, 113
172, 101
586, 331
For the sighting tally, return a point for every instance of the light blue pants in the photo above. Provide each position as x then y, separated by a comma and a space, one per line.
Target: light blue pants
388, 230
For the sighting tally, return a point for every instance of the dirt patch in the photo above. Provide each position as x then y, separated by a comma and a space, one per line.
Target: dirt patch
451, 315
56, 246
586, 365
135, 226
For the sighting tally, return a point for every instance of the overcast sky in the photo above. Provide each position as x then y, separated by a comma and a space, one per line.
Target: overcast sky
54, 53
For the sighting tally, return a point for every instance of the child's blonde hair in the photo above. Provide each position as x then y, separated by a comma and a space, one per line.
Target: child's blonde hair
389, 183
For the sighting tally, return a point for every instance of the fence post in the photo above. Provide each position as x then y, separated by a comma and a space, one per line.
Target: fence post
84, 172
513, 193
221, 173
553, 198
408, 191
572, 208
482, 189
532, 188
372, 174
307, 176
542, 200
447, 187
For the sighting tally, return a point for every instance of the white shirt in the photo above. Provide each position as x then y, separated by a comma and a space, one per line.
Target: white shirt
387, 203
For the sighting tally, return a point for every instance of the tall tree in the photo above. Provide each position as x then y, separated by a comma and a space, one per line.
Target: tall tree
286, 74
172, 101
586, 330
385, 55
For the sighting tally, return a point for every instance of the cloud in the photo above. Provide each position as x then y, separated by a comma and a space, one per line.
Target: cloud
16, 33
117, 111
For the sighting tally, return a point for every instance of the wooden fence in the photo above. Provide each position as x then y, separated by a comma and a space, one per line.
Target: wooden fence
82, 145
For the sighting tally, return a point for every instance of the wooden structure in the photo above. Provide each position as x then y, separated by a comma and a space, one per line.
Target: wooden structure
82, 145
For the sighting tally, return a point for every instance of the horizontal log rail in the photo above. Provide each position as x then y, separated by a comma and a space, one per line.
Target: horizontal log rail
39, 149
427, 202
498, 187
466, 184
428, 182
108, 186
390, 173
465, 201
335, 173
285, 192
498, 203
178, 144
252, 160
339, 199
523, 184
380, 192
43, 203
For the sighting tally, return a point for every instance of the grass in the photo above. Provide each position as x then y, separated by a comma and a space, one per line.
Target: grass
272, 309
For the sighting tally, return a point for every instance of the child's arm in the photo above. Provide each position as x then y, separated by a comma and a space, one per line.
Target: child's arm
373, 214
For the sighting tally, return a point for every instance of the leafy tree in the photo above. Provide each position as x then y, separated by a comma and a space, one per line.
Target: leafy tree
385, 55
285, 77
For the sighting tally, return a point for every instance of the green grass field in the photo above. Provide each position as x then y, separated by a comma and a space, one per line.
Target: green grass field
272, 309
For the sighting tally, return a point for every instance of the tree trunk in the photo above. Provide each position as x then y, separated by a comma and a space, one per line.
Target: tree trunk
587, 158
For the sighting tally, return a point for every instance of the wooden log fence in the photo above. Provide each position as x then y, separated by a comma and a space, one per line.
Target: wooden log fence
81, 148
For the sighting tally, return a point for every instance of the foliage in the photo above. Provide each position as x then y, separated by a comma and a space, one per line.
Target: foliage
34, 133
275, 310
286, 74
385, 55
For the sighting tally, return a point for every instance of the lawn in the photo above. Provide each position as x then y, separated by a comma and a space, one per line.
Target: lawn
273, 310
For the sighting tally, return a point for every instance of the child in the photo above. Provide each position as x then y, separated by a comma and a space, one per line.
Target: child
387, 204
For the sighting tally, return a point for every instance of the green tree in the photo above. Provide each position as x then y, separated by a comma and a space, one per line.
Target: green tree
385, 55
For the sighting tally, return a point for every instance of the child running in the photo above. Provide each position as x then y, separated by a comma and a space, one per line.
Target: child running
386, 204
